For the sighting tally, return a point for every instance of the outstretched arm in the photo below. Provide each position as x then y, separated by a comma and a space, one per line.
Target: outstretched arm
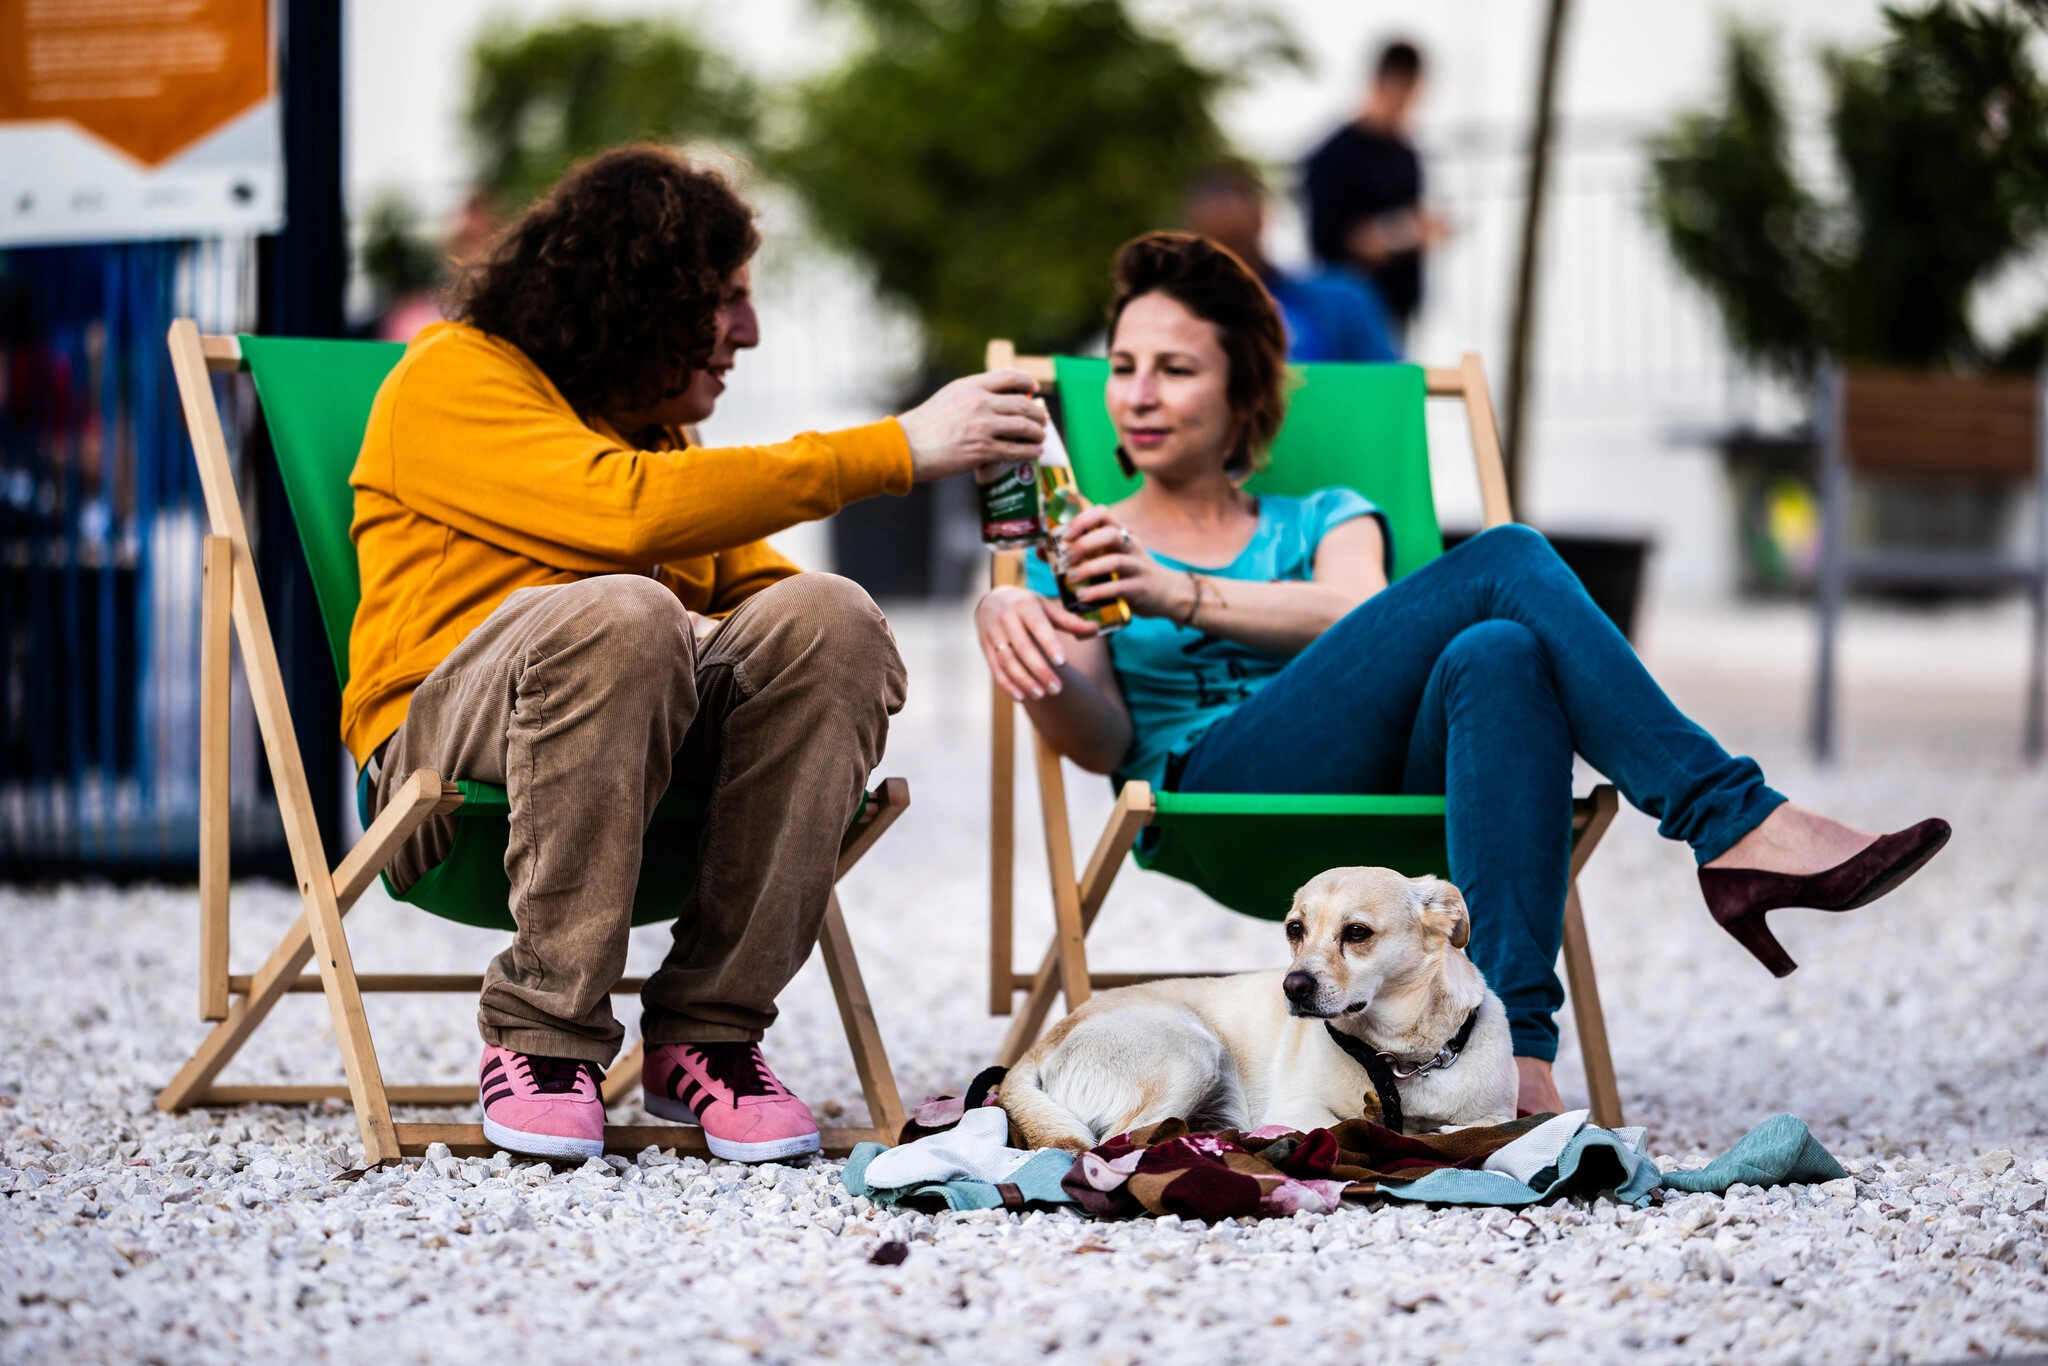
974, 421
1053, 662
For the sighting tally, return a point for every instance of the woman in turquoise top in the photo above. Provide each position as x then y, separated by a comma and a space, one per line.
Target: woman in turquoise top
1268, 654
1178, 680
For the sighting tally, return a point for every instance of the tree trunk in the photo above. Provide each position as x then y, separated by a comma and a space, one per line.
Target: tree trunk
1524, 321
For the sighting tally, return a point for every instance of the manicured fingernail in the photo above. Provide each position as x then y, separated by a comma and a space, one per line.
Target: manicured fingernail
1055, 689
1060, 659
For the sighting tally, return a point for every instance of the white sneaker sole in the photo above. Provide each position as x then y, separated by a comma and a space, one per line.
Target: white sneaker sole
671, 1109
541, 1145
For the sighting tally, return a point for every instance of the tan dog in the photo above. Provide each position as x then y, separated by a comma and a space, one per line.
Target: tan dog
1377, 955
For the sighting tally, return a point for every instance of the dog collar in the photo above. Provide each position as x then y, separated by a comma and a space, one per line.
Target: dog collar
1387, 1071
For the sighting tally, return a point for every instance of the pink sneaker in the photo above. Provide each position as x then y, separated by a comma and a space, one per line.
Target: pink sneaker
544, 1107
748, 1116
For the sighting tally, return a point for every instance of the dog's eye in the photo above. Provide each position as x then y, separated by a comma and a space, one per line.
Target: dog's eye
1294, 930
1357, 934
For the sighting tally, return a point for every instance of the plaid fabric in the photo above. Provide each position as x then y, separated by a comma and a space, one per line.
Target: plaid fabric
1166, 1168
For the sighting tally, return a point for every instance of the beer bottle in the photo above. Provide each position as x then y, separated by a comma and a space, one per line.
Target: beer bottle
1061, 502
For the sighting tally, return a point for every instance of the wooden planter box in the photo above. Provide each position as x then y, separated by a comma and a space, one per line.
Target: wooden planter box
1936, 459
1920, 425
1966, 436
1931, 467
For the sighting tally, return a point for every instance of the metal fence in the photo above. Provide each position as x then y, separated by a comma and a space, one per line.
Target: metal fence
1620, 333
100, 527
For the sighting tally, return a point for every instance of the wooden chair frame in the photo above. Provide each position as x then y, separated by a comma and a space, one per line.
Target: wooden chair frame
1076, 901
239, 1004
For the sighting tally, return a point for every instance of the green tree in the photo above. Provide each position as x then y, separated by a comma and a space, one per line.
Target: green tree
396, 256
1941, 136
543, 97
987, 157
1736, 217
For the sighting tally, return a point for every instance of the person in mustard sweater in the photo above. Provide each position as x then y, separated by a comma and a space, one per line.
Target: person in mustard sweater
561, 595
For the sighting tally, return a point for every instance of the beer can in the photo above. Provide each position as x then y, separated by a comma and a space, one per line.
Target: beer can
1011, 514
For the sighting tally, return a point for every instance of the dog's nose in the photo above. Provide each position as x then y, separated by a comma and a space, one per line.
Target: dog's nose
1299, 986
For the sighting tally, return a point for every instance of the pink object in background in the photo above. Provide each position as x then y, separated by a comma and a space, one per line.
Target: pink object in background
410, 314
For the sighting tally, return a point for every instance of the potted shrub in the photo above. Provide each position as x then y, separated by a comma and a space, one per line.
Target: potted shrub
1940, 137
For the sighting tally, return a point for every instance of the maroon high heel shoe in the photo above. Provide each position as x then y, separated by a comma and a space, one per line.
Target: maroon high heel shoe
1740, 897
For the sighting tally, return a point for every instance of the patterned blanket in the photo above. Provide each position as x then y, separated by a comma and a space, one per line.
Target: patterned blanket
1168, 1169
1165, 1169
954, 1153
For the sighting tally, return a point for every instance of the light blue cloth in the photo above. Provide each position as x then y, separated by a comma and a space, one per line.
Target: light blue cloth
1038, 1181
1593, 1161
1779, 1151
1178, 682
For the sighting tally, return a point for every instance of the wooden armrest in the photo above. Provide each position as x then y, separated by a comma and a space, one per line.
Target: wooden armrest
422, 796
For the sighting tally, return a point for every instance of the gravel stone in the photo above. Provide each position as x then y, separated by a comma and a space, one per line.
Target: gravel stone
127, 1234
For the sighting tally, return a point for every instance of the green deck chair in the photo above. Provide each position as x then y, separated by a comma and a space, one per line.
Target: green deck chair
1359, 426
316, 398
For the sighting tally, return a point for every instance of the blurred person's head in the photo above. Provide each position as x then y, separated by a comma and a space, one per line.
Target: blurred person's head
627, 285
1227, 205
1197, 360
1395, 87
476, 223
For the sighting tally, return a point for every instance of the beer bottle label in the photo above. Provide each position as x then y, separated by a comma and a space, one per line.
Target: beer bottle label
1010, 511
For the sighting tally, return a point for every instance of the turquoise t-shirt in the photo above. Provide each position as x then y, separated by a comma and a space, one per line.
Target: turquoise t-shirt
1178, 682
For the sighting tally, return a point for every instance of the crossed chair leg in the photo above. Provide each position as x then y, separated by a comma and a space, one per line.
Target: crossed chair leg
424, 794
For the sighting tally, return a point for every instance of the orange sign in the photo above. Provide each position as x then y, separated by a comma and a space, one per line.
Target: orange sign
152, 77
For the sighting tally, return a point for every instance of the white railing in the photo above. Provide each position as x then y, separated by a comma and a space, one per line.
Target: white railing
1619, 331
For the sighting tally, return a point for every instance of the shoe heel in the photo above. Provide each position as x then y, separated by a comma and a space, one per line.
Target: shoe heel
1753, 934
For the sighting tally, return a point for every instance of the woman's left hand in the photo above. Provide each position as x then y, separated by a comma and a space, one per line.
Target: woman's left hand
1097, 545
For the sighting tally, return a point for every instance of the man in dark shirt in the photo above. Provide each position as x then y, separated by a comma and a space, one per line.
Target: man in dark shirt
1364, 188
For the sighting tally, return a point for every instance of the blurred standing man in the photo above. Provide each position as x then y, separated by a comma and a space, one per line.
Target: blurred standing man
1330, 315
1364, 188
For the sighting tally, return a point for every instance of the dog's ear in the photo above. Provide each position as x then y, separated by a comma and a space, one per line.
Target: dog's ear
1443, 907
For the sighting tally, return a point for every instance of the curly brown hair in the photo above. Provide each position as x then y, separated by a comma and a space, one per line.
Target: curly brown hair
1213, 284
612, 283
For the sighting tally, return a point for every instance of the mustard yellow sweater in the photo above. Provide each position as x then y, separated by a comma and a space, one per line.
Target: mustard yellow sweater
476, 479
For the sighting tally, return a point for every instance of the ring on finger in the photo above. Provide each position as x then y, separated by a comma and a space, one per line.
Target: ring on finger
1127, 537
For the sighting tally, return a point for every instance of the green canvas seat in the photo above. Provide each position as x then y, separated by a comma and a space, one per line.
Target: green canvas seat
316, 396
1356, 426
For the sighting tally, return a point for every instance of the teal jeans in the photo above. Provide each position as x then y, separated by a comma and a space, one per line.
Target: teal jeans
1477, 677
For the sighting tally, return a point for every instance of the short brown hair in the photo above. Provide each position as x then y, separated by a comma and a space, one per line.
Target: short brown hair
1399, 60
612, 283
1211, 283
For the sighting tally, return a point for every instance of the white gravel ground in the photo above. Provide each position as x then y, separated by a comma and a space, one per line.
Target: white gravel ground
1911, 1040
